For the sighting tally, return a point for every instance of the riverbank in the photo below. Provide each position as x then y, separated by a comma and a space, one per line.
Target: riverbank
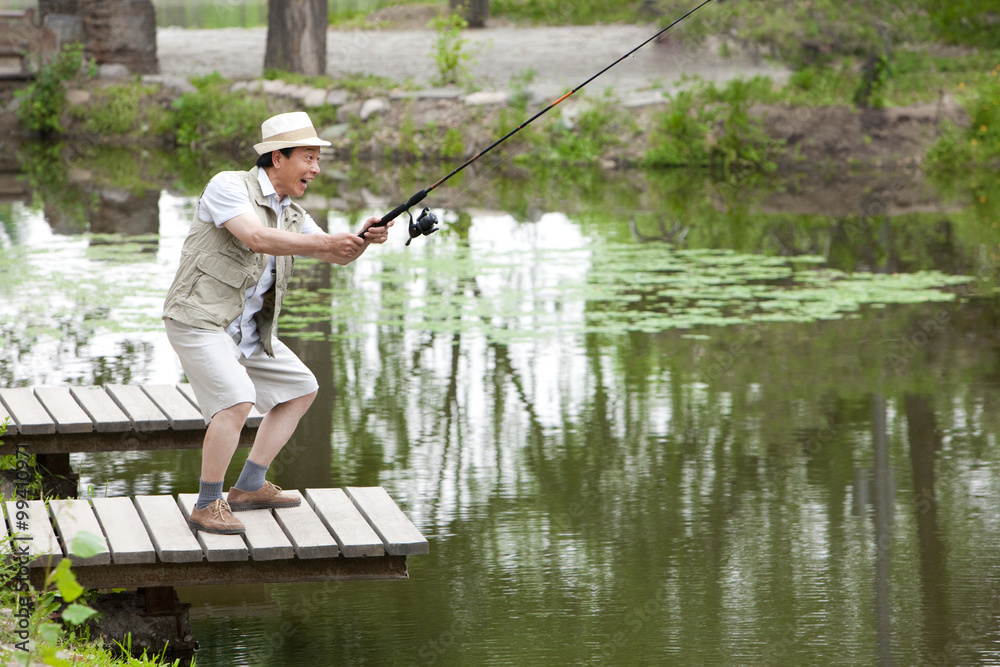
379, 100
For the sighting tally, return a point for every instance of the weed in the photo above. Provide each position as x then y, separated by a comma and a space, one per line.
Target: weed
214, 117
43, 101
448, 49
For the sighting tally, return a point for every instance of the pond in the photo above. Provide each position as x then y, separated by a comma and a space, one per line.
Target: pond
641, 418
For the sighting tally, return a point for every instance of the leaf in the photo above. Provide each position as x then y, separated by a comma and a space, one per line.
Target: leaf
87, 544
77, 613
50, 632
66, 582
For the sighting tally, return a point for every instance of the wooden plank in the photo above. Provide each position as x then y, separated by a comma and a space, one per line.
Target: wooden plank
253, 421
26, 411
66, 412
107, 417
306, 531
217, 548
31, 526
400, 536
239, 572
70, 518
353, 534
168, 529
181, 414
266, 539
133, 401
124, 530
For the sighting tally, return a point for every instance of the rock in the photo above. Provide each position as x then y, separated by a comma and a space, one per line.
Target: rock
176, 84
373, 107
77, 96
112, 71
314, 98
336, 98
348, 111
333, 132
272, 86
486, 98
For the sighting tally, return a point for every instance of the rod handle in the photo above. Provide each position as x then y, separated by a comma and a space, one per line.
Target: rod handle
394, 213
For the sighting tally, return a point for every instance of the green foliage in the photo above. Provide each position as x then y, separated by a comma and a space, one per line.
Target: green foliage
448, 53
804, 33
972, 22
870, 92
43, 101
213, 117
452, 144
559, 12
956, 149
120, 110
583, 138
710, 126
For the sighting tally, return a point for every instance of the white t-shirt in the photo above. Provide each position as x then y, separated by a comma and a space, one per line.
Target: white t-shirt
226, 197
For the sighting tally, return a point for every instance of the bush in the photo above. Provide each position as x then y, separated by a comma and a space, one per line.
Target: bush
214, 117
43, 101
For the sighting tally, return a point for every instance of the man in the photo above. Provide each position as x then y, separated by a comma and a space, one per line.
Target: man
222, 307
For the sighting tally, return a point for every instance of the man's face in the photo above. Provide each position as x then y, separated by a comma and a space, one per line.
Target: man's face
292, 175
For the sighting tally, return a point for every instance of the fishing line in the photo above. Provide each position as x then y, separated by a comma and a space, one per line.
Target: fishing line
427, 222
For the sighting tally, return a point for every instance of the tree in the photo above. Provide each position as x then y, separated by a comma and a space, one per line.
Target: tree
475, 12
296, 36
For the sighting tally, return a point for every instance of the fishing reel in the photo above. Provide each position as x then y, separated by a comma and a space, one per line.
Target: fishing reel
425, 224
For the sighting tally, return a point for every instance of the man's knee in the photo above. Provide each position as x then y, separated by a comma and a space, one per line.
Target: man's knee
233, 414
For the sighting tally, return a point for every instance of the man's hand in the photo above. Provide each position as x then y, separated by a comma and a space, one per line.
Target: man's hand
379, 234
345, 248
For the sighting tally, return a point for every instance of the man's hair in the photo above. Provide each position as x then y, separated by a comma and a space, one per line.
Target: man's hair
265, 160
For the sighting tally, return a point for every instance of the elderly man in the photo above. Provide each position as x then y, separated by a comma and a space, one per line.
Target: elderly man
222, 308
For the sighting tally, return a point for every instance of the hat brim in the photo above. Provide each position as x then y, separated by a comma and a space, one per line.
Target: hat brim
268, 146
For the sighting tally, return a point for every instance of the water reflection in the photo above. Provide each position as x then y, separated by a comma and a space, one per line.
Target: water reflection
785, 493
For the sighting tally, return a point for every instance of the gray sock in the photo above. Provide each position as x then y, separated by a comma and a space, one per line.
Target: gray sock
252, 477
208, 493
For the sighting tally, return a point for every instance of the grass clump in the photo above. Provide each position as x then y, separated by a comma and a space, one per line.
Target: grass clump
212, 117
978, 144
710, 126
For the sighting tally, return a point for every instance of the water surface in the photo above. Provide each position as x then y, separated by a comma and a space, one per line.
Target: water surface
642, 419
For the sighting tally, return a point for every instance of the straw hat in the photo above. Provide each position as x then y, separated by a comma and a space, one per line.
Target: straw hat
288, 130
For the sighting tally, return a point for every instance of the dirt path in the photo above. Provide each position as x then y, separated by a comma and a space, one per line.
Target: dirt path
562, 57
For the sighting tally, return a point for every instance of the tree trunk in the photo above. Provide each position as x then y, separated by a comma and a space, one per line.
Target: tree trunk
296, 36
474, 11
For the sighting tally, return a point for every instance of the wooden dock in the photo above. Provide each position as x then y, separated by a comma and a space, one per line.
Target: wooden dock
110, 418
335, 534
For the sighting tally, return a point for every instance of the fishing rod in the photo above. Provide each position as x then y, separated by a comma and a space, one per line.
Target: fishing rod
427, 223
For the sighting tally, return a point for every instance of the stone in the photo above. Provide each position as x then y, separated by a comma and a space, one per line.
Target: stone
333, 132
112, 71
336, 98
486, 98
373, 107
77, 96
314, 98
273, 86
348, 111
177, 84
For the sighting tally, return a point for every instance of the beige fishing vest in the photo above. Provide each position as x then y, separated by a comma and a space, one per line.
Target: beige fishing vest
216, 269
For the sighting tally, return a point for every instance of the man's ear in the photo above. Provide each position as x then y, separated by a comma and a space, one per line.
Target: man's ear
276, 155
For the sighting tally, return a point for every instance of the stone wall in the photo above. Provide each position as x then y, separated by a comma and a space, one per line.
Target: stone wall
121, 32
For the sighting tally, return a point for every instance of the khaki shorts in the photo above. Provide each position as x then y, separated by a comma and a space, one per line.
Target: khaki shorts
222, 377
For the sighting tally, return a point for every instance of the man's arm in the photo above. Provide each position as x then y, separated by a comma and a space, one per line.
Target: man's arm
332, 248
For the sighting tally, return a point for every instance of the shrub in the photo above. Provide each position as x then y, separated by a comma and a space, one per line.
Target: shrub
43, 101
214, 117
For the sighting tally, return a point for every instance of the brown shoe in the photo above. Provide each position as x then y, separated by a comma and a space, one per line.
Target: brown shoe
265, 497
216, 518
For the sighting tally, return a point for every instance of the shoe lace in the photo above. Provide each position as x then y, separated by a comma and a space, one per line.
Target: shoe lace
220, 506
